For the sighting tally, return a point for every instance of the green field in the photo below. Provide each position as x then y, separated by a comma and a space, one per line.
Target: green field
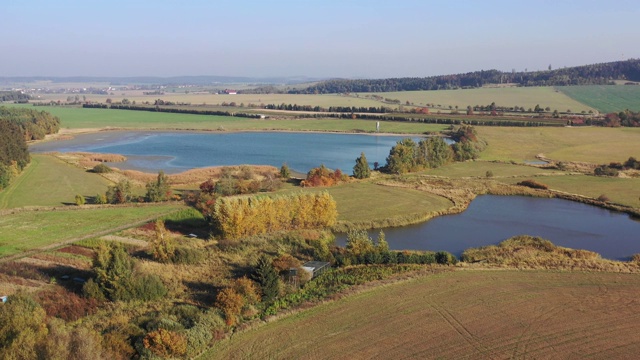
619, 190
588, 144
527, 97
460, 315
79, 118
368, 202
480, 168
48, 181
27, 230
606, 98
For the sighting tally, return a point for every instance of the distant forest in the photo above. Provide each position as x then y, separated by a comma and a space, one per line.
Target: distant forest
15, 96
33, 124
595, 74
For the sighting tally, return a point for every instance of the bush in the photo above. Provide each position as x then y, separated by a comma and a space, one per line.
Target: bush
187, 256
165, 343
100, 199
489, 174
445, 258
603, 198
604, 170
80, 200
148, 287
101, 169
533, 184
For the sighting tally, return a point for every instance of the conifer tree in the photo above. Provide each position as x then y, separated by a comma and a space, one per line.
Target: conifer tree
265, 275
361, 170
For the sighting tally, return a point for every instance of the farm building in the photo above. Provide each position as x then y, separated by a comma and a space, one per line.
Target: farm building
316, 268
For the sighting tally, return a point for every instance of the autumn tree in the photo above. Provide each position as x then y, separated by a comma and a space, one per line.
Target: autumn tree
22, 327
361, 170
119, 193
285, 173
165, 343
163, 245
231, 303
401, 157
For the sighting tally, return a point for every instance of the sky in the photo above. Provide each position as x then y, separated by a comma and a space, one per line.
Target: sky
324, 38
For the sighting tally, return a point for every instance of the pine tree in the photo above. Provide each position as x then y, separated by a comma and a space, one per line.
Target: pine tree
265, 275
361, 170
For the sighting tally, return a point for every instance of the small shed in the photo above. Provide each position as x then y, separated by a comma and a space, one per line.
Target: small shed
316, 268
3, 299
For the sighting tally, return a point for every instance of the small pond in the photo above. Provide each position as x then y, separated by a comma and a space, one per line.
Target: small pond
491, 219
174, 152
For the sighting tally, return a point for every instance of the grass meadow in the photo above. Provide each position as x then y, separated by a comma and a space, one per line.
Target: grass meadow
605, 98
48, 181
618, 190
588, 144
480, 168
460, 314
27, 230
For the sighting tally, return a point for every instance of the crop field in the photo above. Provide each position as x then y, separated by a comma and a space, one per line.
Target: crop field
461, 314
27, 230
618, 190
48, 181
527, 97
79, 118
606, 98
587, 144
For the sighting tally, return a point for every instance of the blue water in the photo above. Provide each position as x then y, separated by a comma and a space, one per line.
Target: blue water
491, 219
178, 151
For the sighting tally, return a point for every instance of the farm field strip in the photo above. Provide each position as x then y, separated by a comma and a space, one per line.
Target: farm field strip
23, 231
605, 98
461, 314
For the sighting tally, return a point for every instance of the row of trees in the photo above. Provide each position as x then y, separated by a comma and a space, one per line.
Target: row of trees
14, 154
15, 96
595, 74
171, 110
622, 118
340, 109
247, 216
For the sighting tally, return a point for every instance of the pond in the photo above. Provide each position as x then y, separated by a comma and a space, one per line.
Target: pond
491, 219
178, 151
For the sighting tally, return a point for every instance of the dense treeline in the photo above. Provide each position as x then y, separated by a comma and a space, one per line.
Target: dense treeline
14, 155
35, 124
15, 96
248, 216
408, 156
339, 109
594, 74
623, 118
171, 110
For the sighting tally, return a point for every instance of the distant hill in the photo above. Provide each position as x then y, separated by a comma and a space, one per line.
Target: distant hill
595, 74
155, 80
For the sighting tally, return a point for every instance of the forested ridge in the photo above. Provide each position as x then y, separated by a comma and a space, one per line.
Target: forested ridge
34, 124
594, 74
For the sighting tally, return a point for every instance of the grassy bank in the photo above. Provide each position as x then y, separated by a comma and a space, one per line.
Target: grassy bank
535, 314
48, 181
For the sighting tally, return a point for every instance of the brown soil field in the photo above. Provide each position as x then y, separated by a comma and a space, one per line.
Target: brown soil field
463, 314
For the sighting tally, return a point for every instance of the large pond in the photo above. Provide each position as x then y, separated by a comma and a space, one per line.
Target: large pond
491, 219
178, 151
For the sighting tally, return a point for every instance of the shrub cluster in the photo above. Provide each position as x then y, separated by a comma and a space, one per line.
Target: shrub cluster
322, 176
407, 155
533, 184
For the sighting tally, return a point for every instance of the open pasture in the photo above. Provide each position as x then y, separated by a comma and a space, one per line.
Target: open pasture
606, 98
27, 230
618, 190
78, 118
461, 314
48, 181
588, 144
527, 97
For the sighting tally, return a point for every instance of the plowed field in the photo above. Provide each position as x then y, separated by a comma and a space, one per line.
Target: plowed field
463, 314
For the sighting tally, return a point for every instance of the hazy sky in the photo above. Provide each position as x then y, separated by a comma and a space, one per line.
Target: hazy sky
324, 38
